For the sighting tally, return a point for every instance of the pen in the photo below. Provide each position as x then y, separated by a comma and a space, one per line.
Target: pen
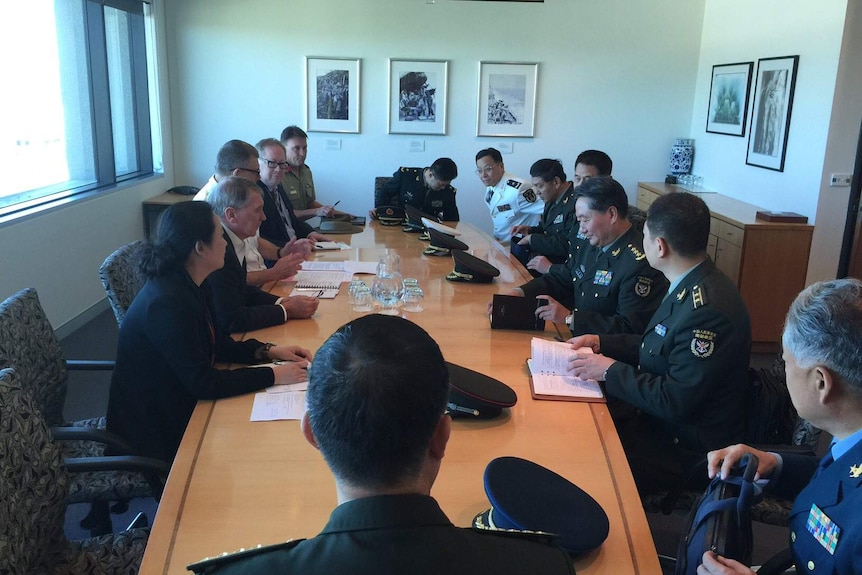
336, 203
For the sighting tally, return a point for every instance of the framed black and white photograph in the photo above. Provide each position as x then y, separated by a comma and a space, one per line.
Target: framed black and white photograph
728, 99
417, 96
770, 118
507, 99
332, 94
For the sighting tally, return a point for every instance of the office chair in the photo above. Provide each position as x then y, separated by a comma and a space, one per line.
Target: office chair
121, 278
379, 198
33, 493
28, 344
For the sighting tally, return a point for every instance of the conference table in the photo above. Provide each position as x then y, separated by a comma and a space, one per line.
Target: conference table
238, 484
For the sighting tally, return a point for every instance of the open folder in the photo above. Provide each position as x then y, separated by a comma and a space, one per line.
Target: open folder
548, 377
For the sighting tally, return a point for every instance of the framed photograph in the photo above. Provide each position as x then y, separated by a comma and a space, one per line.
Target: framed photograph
770, 118
728, 99
507, 99
417, 96
332, 94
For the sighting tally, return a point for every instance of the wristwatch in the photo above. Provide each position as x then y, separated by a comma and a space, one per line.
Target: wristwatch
262, 352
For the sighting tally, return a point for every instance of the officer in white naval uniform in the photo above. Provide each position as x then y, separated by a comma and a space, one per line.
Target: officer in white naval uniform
510, 199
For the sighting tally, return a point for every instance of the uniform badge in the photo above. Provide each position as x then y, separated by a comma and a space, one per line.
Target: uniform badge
825, 530
503, 208
660, 330
603, 277
703, 343
855, 471
558, 219
513, 184
680, 295
436, 203
530, 195
580, 271
643, 286
616, 252
639, 255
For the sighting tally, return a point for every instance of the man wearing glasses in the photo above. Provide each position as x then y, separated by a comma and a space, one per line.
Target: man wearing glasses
238, 158
510, 199
281, 224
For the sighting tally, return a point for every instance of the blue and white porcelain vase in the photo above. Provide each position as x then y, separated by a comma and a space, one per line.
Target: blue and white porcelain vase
681, 156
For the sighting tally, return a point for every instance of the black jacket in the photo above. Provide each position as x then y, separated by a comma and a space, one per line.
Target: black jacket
274, 228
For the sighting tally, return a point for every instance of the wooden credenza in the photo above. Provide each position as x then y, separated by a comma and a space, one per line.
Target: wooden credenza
767, 261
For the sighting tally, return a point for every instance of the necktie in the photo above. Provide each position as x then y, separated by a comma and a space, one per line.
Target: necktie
282, 211
489, 195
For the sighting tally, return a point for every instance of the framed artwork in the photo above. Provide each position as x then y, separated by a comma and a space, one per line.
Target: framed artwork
417, 96
507, 99
728, 99
332, 94
770, 118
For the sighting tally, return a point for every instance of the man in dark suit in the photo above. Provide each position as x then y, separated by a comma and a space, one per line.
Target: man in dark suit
281, 224
379, 422
240, 307
822, 345
681, 385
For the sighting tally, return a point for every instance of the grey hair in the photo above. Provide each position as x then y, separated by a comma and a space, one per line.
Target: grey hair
268, 143
231, 192
824, 327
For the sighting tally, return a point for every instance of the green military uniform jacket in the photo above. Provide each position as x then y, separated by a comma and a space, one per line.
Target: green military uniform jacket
395, 534
612, 291
551, 237
298, 183
407, 187
688, 372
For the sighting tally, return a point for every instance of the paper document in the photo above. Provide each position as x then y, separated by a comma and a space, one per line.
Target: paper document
322, 267
316, 293
301, 386
272, 406
349, 267
549, 378
315, 280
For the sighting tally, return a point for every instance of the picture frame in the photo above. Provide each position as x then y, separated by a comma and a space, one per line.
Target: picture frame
728, 99
770, 115
332, 88
507, 99
418, 96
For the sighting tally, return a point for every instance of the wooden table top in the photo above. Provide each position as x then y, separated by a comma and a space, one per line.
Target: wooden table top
236, 484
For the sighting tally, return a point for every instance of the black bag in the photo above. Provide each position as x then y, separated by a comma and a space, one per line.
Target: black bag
721, 520
770, 417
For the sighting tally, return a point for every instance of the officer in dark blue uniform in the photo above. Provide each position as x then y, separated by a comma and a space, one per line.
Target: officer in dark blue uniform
428, 189
822, 338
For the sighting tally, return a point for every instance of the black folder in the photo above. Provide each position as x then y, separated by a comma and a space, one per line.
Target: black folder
515, 312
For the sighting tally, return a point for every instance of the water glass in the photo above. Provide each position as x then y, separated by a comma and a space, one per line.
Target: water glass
363, 301
413, 299
355, 285
387, 291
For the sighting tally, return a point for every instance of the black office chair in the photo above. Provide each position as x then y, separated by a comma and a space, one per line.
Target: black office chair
122, 278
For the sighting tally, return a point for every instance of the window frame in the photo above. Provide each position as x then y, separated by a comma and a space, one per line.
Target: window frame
100, 109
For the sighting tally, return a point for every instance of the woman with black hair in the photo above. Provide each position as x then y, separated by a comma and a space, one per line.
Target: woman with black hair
169, 343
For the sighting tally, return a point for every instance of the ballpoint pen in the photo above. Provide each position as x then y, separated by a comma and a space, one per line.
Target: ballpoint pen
336, 203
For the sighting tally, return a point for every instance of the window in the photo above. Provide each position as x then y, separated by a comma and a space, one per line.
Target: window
78, 117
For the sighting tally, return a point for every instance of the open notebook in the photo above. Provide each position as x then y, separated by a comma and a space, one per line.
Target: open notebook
548, 377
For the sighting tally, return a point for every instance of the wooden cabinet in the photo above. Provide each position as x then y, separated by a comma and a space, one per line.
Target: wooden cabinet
767, 261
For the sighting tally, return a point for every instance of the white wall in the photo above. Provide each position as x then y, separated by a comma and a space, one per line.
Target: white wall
742, 31
59, 252
624, 82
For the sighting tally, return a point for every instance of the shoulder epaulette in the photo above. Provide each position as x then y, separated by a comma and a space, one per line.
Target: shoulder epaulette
636, 252
698, 297
210, 564
513, 184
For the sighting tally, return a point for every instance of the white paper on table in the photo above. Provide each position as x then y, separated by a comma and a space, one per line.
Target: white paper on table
323, 266
301, 386
552, 356
272, 406
360, 267
318, 246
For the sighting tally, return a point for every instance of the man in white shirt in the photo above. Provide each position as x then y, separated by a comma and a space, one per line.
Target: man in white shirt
510, 199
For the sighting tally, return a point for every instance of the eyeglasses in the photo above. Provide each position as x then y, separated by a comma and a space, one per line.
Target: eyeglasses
271, 165
486, 170
248, 170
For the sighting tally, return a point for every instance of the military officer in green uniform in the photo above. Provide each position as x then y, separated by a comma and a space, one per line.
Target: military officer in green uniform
680, 387
427, 189
607, 284
298, 181
550, 238
379, 422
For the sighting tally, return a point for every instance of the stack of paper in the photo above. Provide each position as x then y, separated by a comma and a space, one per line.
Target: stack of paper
549, 379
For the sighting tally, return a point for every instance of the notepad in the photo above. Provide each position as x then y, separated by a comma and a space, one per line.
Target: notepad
331, 246
318, 280
548, 376
272, 406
